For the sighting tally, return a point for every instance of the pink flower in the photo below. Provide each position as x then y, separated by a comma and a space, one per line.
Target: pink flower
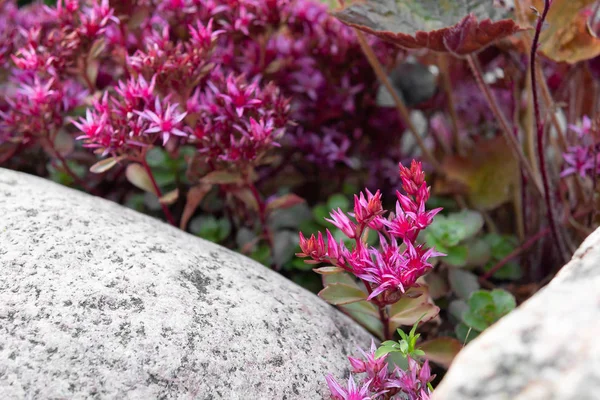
341, 221
92, 126
583, 129
412, 178
313, 247
402, 225
94, 19
203, 36
365, 209
351, 392
579, 161
413, 382
166, 123
375, 368
240, 96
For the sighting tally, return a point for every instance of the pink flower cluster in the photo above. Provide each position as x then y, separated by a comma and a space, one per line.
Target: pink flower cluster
131, 120
583, 158
389, 270
379, 382
236, 121
241, 70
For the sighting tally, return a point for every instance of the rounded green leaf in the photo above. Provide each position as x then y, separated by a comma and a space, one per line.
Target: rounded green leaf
462, 282
504, 301
338, 201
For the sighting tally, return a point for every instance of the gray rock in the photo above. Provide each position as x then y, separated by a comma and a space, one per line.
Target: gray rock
547, 349
98, 301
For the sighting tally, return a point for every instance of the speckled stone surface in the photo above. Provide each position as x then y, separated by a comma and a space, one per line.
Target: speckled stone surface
98, 301
547, 349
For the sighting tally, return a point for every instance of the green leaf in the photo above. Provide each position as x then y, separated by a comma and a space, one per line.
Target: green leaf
470, 223
501, 246
475, 321
479, 253
262, 254
457, 308
284, 246
339, 294
338, 201
137, 175
480, 299
211, 228
457, 256
365, 314
156, 157
465, 333
383, 350
441, 350
321, 211
504, 301
462, 282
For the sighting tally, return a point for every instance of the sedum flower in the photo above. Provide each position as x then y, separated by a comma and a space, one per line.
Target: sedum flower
167, 122
350, 392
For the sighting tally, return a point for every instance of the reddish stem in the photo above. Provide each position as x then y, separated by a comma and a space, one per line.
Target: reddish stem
504, 124
526, 245
164, 207
540, 136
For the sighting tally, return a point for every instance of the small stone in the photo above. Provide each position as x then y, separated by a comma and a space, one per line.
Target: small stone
99, 301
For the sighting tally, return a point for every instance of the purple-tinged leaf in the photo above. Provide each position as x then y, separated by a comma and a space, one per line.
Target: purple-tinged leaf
138, 177
340, 294
194, 198
169, 198
222, 178
328, 270
460, 27
286, 201
104, 165
441, 350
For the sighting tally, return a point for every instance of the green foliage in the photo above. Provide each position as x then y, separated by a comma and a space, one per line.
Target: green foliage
455, 235
60, 176
407, 345
210, 228
484, 308
500, 247
168, 171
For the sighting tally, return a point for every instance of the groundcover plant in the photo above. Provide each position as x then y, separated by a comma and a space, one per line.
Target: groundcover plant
423, 166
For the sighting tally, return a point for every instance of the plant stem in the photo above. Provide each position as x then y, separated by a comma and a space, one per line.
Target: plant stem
508, 133
400, 106
447, 83
262, 215
63, 163
164, 207
526, 245
385, 321
540, 136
